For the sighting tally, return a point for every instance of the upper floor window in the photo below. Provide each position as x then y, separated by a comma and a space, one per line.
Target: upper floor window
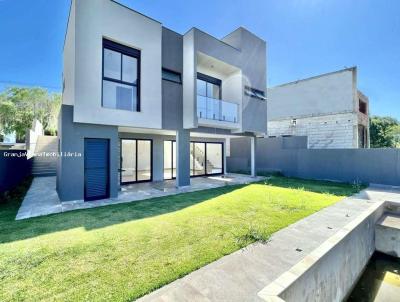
121, 77
362, 106
208, 86
171, 76
255, 93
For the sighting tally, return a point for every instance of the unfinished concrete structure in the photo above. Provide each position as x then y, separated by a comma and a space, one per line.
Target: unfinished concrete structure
328, 109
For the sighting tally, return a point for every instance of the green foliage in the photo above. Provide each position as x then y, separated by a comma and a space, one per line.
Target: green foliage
20, 106
384, 132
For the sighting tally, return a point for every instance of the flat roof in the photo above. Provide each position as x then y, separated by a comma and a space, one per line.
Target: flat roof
316, 77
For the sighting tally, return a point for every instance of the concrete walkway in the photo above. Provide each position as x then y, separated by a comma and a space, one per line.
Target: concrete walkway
241, 275
42, 198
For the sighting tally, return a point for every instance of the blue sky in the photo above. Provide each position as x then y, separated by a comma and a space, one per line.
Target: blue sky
304, 37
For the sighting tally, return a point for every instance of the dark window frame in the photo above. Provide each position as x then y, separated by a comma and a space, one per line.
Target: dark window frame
254, 93
211, 80
173, 72
136, 161
205, 158
127, 51
362, 106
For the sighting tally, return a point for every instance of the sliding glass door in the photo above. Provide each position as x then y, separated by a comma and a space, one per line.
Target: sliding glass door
128, 161
206, 158
197, 159
169, 159
215, 158
136, 160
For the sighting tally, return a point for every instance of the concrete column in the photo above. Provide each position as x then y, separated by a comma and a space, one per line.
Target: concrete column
253, 156
224, 159
182, 158
158, 159
227, 152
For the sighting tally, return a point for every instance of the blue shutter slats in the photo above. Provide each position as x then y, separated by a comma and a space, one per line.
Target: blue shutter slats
96, 168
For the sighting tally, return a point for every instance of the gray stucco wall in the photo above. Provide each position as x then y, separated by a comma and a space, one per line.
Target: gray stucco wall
172, 99
380, 166
70, 169
247, 52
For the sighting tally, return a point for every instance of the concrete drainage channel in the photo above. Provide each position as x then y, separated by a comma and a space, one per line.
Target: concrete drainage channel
330, 272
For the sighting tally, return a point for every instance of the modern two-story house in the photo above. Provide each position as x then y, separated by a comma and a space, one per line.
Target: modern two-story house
142, 103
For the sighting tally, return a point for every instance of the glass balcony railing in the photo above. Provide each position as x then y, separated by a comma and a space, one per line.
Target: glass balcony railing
218, 110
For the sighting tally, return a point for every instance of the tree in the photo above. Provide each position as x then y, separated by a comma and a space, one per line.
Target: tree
396, 133
20, 106
384, 132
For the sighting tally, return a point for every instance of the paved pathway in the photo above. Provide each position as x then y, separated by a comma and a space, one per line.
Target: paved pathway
42, 198
241, 275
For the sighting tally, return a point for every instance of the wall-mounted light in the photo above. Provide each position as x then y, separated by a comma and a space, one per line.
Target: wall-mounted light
294, 122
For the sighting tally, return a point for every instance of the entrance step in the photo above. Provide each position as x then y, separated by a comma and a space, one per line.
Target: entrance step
387, 235
45, 165
46, 143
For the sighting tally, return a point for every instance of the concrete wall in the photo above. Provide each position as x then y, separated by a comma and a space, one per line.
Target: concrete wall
70, 169
324, 132
98, 19
189, 80
329, 272
68, 91
387, 232
347, 165
320, 95
172, 95
325, 108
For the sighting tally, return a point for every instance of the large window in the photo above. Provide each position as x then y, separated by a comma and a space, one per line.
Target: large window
208, 86
206, 158
121, 77
136, 160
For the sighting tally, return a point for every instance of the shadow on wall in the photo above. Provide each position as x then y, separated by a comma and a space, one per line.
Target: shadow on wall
380, 166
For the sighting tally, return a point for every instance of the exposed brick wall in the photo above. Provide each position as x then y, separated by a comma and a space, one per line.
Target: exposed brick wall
324, 132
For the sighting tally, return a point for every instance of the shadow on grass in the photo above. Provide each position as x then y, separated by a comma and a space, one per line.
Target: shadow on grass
12, 230
315, 186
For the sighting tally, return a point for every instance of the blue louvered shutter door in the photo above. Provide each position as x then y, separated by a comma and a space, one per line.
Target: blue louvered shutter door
96, 168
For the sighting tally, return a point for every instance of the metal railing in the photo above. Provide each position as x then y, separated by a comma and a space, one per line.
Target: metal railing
219, 110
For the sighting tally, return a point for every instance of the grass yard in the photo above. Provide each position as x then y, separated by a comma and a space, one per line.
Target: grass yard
121, 252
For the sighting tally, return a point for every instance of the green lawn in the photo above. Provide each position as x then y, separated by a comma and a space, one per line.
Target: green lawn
121, 252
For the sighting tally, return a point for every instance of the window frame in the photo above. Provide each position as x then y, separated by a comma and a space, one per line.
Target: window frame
172, 72
210, 80
173, 154
254, 93
362, 107
127, 51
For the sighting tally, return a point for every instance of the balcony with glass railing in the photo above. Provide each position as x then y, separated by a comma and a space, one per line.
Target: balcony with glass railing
217, 110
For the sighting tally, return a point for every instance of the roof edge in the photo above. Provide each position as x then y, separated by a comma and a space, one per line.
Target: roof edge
353, 68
